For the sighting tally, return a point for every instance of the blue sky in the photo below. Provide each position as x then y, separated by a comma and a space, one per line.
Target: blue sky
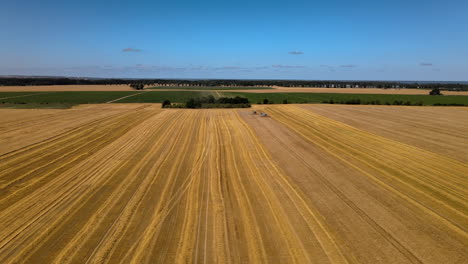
338, 40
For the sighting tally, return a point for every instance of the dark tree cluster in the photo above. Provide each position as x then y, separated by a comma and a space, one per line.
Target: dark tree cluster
137, 86
232, 100
212, 102
166, 104
435, 91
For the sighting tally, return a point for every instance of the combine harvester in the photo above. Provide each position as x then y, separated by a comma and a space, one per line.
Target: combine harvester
262, 114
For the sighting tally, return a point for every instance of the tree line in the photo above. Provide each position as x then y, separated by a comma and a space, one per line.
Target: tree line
210, 102
31, 81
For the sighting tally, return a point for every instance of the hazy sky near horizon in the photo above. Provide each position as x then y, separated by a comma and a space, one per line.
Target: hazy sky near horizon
256, 39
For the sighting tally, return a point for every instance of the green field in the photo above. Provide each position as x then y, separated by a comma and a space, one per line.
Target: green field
68, 99
160, 96
57, 99
6, 95
278, 98
207, 88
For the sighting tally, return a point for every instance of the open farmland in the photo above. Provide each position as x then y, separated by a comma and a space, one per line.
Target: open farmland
68, 99
134, 183
251, 89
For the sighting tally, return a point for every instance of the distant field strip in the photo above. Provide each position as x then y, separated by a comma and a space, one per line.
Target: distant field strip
135, 183
208, 88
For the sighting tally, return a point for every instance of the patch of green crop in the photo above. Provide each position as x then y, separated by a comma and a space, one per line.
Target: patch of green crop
336, 98
160, 96
63, 98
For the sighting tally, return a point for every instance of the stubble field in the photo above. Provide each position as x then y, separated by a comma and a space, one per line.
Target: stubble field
134, 183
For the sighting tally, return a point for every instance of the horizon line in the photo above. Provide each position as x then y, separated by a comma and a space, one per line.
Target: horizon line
245, 79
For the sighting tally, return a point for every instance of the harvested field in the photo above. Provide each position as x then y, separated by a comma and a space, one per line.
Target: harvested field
22, 127
134, 183
440, 130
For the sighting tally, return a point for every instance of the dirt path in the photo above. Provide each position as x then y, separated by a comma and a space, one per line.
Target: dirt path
118, 99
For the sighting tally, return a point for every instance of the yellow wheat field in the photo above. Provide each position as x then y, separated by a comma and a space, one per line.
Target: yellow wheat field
139, 184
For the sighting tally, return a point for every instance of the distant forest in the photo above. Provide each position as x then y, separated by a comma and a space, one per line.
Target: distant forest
31, 81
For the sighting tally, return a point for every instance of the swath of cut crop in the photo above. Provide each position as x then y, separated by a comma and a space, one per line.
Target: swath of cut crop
435, 183
21, 128
443, 130
211, 210
372, 223
31, 167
